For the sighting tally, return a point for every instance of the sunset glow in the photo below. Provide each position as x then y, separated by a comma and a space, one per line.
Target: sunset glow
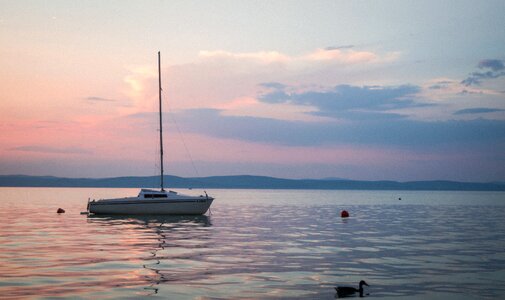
360, 90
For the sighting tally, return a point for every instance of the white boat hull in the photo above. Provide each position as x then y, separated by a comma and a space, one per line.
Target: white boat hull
179, 205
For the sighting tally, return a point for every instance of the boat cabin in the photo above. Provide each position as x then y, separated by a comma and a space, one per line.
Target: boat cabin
151, 194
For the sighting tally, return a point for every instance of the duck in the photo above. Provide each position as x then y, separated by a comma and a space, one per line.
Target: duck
345, 291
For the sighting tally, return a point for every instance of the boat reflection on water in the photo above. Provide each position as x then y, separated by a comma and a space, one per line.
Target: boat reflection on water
150, 219
166, 242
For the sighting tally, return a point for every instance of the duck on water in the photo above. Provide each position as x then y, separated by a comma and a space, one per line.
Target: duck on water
346, 291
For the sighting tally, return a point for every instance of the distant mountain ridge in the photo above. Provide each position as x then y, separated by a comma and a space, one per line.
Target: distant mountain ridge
245, 182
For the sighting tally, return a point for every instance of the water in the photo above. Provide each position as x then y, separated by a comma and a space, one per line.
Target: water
257, 244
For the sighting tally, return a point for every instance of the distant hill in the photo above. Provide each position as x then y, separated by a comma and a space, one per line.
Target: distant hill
245, 182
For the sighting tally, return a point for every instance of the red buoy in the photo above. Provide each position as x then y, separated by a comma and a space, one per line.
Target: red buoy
344, 214
60, 211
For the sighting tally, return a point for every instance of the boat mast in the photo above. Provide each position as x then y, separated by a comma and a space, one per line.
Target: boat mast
161, 127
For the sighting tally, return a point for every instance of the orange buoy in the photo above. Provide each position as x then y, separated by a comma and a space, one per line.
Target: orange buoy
60, 211
344, 214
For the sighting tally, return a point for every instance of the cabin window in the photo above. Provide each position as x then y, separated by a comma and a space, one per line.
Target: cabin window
155, 196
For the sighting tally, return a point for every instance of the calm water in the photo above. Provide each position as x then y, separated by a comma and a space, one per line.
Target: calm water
257, 244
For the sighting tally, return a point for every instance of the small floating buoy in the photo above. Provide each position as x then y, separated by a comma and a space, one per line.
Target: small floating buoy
344, 214
400, 198
60, 211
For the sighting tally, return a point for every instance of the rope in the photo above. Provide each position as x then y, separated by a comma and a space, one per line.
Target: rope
188, 153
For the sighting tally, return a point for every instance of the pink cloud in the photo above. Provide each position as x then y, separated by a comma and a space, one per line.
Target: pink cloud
108, 134
346, 56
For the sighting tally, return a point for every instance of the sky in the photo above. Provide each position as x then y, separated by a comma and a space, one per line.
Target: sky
365, 90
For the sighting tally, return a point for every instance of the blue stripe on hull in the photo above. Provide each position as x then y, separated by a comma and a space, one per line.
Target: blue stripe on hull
147, 202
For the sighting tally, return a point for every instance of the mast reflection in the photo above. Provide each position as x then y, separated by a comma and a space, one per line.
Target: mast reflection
167, 232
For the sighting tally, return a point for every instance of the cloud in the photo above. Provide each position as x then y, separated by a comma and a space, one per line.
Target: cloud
440, 85
262, 56
493, 64
339, 47
273, 85
98, 99
52, 150
467, 92
219, 77
477, 110
349, 102
391, 132
437, 87
491, 68
340, 55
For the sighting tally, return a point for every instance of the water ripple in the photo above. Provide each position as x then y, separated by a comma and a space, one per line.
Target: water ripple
251, 251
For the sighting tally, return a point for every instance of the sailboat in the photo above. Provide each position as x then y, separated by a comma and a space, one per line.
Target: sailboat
154, 202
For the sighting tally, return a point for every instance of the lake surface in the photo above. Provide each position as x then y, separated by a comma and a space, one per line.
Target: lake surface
256, 244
